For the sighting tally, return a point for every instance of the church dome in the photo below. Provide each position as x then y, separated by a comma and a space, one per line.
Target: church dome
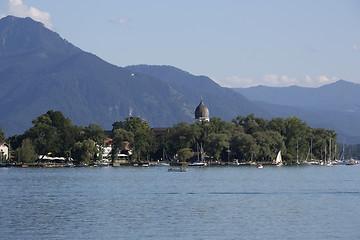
202, 112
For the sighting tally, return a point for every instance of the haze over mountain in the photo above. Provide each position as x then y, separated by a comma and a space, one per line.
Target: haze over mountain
332, 106
40, 71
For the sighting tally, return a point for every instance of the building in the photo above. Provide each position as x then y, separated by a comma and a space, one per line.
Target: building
4, 151
202, 112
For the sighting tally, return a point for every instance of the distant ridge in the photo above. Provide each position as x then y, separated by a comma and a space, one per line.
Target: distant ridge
333, 106
340, 95
40, 71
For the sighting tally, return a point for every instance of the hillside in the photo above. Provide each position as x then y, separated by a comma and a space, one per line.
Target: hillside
338, 96
40, 71
332, 106
222, 102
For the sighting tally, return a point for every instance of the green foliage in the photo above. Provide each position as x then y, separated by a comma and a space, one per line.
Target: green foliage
215, 143
94, 132
84, 151
52, 132
2, 135
26, 153
244, 138
120, 137
184, 154
141, 138
247, 138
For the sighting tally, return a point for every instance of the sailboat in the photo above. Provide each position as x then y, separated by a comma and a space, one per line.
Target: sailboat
200, 161
278, 160
165, 161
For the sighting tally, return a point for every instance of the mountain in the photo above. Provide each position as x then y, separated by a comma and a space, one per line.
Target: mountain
332, 106
339, 96
40, 71
222, 102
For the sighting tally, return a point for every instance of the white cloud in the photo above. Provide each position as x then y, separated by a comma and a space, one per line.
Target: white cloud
120, 21
234, 81
356, 48
274, 80
123, 21
19, 9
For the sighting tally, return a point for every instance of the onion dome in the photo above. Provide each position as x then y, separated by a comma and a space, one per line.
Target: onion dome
202, 112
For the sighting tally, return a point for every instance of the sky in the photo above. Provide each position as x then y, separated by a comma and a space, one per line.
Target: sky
237, 43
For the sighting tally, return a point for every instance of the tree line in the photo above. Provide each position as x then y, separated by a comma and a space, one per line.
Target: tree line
244, 138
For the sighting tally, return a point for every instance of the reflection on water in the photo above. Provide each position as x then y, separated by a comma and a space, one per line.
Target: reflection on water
203, 203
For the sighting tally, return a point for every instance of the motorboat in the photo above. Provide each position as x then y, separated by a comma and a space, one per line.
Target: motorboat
177, 169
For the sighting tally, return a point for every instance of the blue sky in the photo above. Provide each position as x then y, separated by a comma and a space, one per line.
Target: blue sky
236, 43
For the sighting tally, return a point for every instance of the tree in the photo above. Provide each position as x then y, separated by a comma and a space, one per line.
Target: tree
143, 136
84, 151
216, 143
243, 146
296, 135
2, 135
52, 132
184, 154
120, 137
94, 132
26, 153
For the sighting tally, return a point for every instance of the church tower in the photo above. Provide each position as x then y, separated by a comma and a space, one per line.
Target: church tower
202, 112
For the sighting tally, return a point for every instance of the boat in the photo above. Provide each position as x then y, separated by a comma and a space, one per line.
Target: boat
164, 161
103, 164
198, 164
260, 166
69, 165
234, 163
200, 158
162, 164
176, 169
278, 160
352, 162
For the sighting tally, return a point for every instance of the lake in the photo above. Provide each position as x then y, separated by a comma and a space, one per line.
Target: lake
304, 202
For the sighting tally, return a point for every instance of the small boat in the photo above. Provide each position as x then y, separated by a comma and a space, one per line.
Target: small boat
260, 166
352, 162
198, 164
162, 164
200, 161
69, 165
164, 161
234, 163
180, 169
278, 160
103, 164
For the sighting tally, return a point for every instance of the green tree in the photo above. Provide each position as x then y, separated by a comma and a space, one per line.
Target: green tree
52, 132
216, 143
243, 146
143, 136
2, 135
84, 151
26, 153
184, 154
296, 135
120, 137
94, 132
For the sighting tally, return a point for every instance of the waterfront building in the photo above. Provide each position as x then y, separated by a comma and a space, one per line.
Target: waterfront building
4, 151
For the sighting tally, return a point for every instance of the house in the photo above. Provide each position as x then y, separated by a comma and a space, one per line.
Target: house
4, 151
121, 157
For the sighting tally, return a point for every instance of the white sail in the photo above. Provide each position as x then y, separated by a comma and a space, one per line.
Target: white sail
278, 160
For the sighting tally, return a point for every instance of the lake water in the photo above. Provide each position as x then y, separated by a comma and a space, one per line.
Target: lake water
314, 202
